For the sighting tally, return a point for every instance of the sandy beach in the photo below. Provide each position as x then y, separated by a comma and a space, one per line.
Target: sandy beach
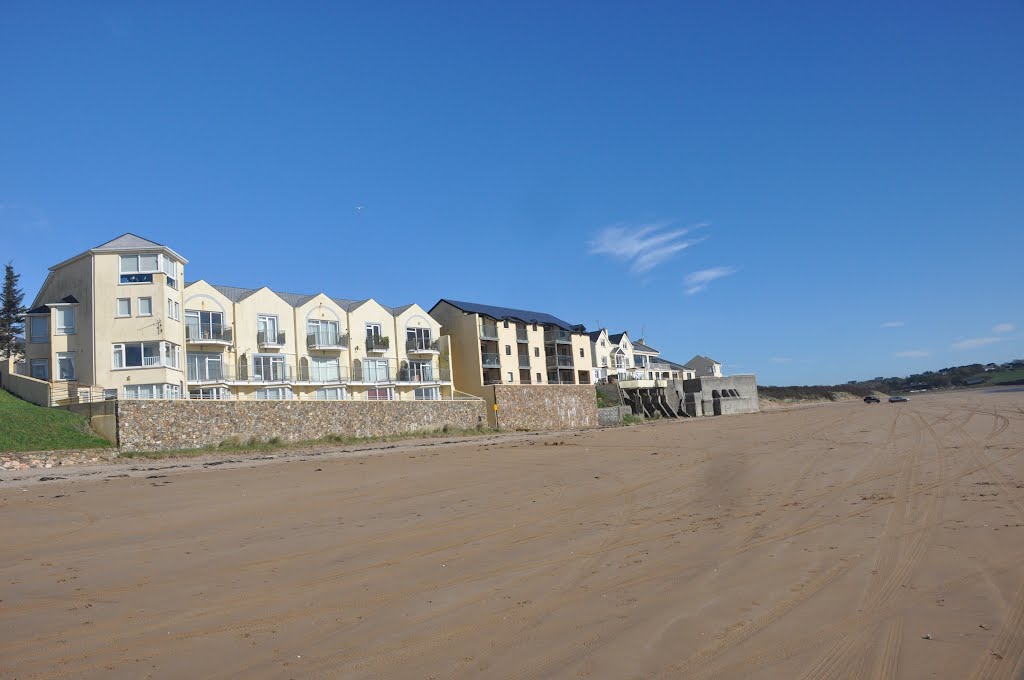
833, 541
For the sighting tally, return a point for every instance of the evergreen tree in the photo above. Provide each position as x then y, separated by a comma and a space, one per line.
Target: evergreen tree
12, 315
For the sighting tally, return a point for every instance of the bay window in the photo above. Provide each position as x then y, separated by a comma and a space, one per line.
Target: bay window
65, 320
39, 328
146, 355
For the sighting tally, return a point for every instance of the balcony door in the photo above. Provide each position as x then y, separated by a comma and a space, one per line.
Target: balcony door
267, 325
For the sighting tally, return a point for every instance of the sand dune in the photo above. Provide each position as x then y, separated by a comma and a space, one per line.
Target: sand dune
821, 542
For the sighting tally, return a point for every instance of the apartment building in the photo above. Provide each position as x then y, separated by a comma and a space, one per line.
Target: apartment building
502, 346
302, 346
119, 320
110, 319
619, 359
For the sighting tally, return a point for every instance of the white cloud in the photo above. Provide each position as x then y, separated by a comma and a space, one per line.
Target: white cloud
971, 343
645, 247
893, 324
913, 353
780, 360
698, 281
1004, 328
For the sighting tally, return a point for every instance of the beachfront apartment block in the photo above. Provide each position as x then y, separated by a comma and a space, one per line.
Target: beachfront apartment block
119, 321
503, 346
619, 359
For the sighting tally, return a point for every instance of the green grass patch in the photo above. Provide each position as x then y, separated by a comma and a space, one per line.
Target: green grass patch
27, 427
630, 419
238, 445
1000, 377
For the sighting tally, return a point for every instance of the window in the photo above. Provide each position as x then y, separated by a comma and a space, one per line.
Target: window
152, 391
505, 323
534, 326
427, 393
65, 320
418, 338
324, 370
203, 367
170, 268
539, 379
268, 367
124, 306
40, 368
511, 378
266, 328
65, 365
39, 329
376, 370
330, 393
204, 325
602, 342
209, 393
581, 352
536, 351
145, 306
380, 394
508, 350
322, 333
274, 393
173, 310
146, 355
139, 268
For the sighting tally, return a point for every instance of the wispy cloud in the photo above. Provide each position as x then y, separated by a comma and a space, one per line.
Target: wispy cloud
913, 353
971, 343
644, 247
1004, 328
698, 281
780, 360
893, 324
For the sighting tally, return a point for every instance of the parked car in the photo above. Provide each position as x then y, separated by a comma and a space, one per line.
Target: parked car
897, 399
872, 400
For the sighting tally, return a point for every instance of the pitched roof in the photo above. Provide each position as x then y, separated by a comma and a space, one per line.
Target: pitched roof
237, 294
700, 361
678, 367
129, 242
642, 348
45, 307
617, 338
594, 335
502, 313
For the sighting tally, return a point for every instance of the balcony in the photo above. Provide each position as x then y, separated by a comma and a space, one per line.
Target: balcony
421, 346
521, 335
326, 341
490, 360
208, 334
488, 331
560, 361
269, 339
524, 361
276, 372
423, 374
558, 336
377, 344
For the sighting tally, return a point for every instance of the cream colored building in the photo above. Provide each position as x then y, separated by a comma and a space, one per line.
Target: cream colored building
502, 346
619, 359
119, 320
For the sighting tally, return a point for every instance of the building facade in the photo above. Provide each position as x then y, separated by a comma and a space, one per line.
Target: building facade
119, 320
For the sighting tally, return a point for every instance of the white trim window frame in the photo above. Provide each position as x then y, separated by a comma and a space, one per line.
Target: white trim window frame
39, 329
324, 369
66, 366
123, 308
269, 368
330, 394
427, 394
273, 394
380, 394
138, 268
145, 306
65, 321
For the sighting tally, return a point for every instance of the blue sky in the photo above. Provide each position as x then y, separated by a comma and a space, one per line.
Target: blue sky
769, 184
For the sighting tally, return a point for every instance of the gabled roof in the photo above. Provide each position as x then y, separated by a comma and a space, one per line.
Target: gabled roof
45, 308
502, 313
617, 338
121, 244
403, 308
700, 361
644, 349
678, 367
596, 335
237, 294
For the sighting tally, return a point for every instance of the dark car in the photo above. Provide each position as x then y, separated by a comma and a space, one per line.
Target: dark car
897, 399
872, 400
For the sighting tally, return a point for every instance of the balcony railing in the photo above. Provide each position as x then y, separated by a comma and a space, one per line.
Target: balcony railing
421, 346
271, 339
208, 332
561, 361
559, 335
377, 343
149, 362
326, 341
490, 360
424, 374
488, 331
268, 373
524, 361
521, 335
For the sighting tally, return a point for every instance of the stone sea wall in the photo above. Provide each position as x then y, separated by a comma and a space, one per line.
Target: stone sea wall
158, 425
545, 407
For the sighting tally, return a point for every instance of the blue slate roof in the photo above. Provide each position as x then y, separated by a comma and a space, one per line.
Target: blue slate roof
502, 313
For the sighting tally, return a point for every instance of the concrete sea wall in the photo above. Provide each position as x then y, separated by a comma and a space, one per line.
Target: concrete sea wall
158, 425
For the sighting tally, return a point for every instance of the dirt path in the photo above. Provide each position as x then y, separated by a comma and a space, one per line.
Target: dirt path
813, 543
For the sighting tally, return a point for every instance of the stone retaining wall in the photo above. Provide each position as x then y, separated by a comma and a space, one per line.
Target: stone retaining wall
545, 407
612, 415
157, 425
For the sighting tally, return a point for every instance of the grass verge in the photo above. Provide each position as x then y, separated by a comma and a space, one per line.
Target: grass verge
27, 427
236, 445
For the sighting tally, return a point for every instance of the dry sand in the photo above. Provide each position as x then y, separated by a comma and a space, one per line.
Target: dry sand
822, 542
